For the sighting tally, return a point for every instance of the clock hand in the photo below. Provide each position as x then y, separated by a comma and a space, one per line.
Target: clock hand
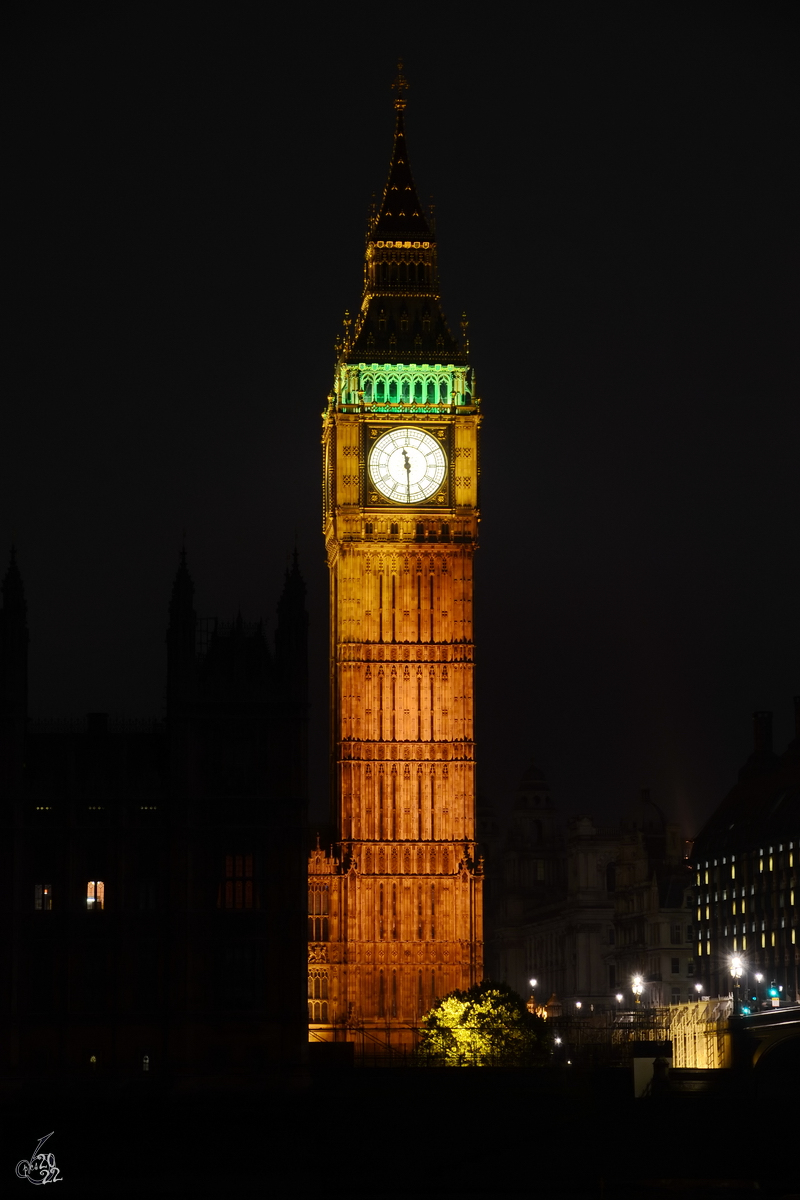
408, 475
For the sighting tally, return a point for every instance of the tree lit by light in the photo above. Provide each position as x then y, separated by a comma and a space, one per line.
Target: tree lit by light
487, 1023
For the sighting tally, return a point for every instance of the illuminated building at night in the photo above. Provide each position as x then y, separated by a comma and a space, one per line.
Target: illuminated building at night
395, 916
746, 875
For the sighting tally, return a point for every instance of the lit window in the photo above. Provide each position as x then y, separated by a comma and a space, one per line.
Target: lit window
95, 894
318, 997
42, 897
318, 913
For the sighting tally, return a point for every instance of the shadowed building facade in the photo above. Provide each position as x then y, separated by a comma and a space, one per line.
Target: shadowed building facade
153, 872
395, 917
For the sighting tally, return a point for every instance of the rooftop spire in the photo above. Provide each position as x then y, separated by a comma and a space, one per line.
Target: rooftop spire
400, 85
400, 214
400, 318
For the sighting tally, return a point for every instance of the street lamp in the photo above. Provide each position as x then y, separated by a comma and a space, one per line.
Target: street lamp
637, 987
758, 978
532, 1001
698, 987
620, 998
737, 969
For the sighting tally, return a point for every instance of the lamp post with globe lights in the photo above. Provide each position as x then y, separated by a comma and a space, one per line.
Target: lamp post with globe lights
532, 1002
637, 987
737, 969
758, 978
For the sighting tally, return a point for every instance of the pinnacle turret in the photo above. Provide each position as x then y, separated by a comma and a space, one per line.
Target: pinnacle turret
181, 638
14, 607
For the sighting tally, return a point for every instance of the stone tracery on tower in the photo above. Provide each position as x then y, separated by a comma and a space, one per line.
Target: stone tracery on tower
395, 906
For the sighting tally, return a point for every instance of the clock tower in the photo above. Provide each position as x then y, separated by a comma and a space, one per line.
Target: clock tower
395, 910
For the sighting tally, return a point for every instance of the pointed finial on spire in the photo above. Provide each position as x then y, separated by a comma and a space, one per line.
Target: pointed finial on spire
400, 85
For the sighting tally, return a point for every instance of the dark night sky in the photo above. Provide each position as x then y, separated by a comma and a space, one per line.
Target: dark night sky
616, 196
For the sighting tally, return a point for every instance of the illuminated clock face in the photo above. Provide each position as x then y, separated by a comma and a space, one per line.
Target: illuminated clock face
407, 465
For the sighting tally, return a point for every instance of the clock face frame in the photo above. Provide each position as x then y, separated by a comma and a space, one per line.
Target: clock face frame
407, 465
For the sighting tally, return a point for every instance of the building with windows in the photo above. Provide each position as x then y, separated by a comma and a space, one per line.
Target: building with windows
745, 863
400, 891
153, 873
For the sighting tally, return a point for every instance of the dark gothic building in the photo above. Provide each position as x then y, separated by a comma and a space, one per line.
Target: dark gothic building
153, 874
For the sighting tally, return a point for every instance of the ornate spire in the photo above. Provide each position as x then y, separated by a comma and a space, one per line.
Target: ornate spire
400, 85
400, 214
182, 600
401, 318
